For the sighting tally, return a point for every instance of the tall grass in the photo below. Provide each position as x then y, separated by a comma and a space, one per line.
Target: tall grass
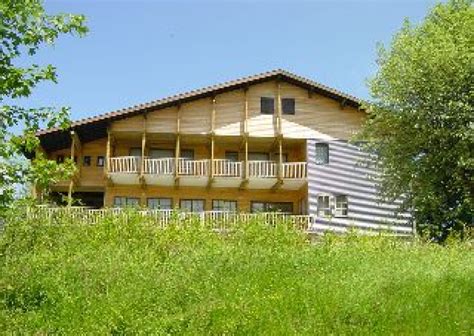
125, 276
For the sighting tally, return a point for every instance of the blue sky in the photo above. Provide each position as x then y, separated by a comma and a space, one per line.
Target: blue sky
137, 51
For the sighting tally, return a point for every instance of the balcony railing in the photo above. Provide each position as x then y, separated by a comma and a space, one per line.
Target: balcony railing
201, 168
159, 166
226, 168
193, 167
124, 164
294, 170
262, 169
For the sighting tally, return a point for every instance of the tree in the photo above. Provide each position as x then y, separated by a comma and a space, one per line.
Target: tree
24, 28
421, 120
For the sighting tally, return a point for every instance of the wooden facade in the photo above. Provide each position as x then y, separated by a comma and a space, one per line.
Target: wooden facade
223, 123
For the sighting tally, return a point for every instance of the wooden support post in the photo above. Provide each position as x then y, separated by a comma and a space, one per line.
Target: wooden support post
278, 105
107, 153
71, 183
280, 159
213, 122
176, 160
177, 153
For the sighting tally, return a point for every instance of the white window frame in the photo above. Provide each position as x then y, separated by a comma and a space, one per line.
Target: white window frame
341, 206
321, 145
324, 211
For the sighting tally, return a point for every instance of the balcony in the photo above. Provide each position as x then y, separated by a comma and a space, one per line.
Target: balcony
218, 173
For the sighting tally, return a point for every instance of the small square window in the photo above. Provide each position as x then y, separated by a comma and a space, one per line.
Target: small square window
100, 161
267, 105
86, 161
288, 105
60, 158
322, 153
342, 206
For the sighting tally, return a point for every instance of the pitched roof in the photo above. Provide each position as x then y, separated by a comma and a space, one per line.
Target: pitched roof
95, 127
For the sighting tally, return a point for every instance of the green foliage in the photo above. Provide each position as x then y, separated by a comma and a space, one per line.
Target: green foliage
24, 28
421, 117
125, 276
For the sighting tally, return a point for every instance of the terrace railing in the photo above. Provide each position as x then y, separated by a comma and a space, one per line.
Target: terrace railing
294, 170
262, 169
193, 167
227, 168
164, 166
124, 164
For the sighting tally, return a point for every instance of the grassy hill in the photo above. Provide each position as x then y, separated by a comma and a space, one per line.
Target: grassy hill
128, 277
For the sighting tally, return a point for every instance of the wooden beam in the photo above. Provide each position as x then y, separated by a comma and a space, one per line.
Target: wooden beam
244, 184
142, 163
280, 159
277, 185
177, 153
246, 159
107, 153
278, 114
246, 112
71, 183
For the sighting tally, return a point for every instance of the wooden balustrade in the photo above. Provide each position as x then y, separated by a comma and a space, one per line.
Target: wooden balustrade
193, 167
201, 168
227, 168
294, 170
262, 168
159, 166
124, 164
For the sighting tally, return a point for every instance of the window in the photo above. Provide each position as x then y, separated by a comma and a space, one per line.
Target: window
267, 105
255, 156
187, 154
322, 153
160, 203
286, 207
161, 153
288, 105
192, 205
86, 161
123, 202
276, 157
100, 161
342, 206
224, 205
136, 151
232, 156
324, 205
60, 158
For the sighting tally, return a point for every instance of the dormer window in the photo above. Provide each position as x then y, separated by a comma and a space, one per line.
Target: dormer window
267, 105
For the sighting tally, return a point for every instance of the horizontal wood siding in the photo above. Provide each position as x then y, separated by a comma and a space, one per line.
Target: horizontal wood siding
348, 174
316, 116
229, 113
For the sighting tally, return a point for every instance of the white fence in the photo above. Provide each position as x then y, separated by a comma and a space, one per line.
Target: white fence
262, 169
216, 220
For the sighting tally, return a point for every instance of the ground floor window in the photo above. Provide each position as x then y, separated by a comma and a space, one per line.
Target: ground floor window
123, 202
191, 205
342, 206
160, 203
271, 207
324, 205
224, 205
329, 205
